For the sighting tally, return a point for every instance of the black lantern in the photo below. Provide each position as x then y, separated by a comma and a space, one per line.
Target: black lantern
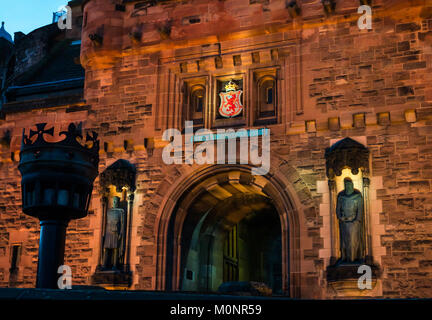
57, 182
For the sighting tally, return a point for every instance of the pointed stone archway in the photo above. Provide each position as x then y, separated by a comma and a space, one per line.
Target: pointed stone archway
204, 206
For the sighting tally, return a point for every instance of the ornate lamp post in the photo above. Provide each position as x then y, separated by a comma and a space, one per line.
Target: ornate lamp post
57, 182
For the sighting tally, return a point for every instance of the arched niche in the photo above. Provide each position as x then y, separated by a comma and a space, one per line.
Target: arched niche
266, 96
117, 181
348, 159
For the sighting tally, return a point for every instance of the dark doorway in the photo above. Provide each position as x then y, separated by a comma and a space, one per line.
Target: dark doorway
237, 243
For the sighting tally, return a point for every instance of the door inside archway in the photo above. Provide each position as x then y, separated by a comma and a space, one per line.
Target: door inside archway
238, 239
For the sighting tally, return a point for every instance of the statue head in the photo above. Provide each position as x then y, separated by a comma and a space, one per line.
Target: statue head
116, 201
349, 186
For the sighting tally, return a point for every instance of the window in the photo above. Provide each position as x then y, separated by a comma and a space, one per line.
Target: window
265, 96
195, 100
14, 257
189, 275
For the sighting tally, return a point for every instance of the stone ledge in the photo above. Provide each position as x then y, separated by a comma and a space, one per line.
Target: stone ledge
100, 294
112, 279
343, 272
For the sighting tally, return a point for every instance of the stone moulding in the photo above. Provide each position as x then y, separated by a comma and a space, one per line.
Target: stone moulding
112, 279
120, 174
346, 153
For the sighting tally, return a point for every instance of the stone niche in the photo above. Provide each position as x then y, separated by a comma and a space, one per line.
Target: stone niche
347, 169
117, 186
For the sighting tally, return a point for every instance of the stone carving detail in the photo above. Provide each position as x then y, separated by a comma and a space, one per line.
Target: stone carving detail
120, 174
346, 153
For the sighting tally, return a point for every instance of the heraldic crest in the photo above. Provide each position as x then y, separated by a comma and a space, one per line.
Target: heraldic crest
231, 105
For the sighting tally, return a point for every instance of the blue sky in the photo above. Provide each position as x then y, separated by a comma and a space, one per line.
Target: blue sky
27, 15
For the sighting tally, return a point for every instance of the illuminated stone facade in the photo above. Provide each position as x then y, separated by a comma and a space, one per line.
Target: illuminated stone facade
307, 73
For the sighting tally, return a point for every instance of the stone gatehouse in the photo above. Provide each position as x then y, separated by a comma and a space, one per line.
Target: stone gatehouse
339, 102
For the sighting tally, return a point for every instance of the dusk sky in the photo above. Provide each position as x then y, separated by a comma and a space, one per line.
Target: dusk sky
27, 15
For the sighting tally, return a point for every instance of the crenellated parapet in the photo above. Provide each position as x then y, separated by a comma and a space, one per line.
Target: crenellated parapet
112, 29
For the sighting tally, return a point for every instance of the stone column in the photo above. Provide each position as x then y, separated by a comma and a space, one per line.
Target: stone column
367, 223
128, 233
333, 222
104, 202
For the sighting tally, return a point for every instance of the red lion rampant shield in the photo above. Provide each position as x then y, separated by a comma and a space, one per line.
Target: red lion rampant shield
231, 105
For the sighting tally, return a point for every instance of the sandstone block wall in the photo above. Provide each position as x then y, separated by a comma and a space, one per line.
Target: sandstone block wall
336, 71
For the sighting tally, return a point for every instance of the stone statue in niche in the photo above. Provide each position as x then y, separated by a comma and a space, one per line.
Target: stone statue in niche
349, 211
113, 235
